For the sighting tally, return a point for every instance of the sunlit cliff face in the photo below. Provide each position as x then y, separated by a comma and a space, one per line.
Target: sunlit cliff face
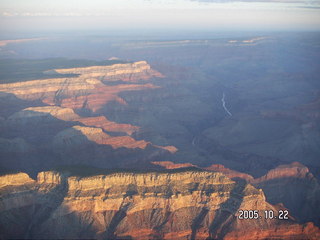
89, 82
93, 146
59, 128
187, 204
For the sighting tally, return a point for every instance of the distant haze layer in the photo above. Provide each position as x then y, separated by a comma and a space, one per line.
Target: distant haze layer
159, 14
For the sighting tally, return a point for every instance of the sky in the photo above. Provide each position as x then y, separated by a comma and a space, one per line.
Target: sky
24, 15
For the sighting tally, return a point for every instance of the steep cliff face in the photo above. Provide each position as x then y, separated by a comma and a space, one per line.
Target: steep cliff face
294, 186
108, 125
181, 205
71, 129
41, 89
86, 90
18, 197
130, 72
291, 185
214, 168
25, 202
40, 113
78, 135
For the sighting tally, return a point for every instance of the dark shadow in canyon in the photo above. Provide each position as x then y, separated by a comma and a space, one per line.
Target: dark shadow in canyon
117, 218
252, 164
197, 222
225, 215
10, 104
42, 151
300, 195
42, 212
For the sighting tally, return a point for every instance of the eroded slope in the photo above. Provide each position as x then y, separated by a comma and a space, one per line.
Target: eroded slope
181, 205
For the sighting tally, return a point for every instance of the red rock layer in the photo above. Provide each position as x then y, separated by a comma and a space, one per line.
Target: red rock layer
171, 165
182, 205
101, 96
127, 72
123, 141
171, 149
108, 125
295, 170
214, 168
228, 172
286, 232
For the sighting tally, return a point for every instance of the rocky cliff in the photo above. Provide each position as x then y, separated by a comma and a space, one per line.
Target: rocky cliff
72, 127
129, 72
294, 186
80, 135
176, 205
291, 185
44, 114
87, 90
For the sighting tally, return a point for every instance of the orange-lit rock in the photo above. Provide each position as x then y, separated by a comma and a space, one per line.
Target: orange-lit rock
78, 135
86, 90
128, 72
171, 165
65, 114
181, 205
108, 125
294, 170
286, 232
171, 149
215, 168
100, 96
228, 172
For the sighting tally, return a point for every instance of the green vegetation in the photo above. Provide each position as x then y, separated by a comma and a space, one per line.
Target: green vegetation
19, 70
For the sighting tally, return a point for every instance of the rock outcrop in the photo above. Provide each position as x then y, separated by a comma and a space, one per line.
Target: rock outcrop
77, 135
47, 113
214, 168
73, 127
294, 186
86, 90
40, 113
107, 125
291, 185
171, 165
180, 205
129, 72
294, 170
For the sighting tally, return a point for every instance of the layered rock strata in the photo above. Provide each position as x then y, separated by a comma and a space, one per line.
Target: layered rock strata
44, 125
129, 72
290, 185
75, 135
181, 205
86, 90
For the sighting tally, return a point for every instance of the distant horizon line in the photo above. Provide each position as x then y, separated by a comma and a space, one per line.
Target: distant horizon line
106, 31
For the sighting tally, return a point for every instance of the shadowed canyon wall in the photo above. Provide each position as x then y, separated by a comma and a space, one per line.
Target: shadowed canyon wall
180, 205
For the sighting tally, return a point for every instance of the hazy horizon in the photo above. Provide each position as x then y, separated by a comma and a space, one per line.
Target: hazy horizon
203, 15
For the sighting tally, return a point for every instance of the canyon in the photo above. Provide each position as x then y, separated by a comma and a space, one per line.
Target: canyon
173, 147
291, 185
156, 205
56, 129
